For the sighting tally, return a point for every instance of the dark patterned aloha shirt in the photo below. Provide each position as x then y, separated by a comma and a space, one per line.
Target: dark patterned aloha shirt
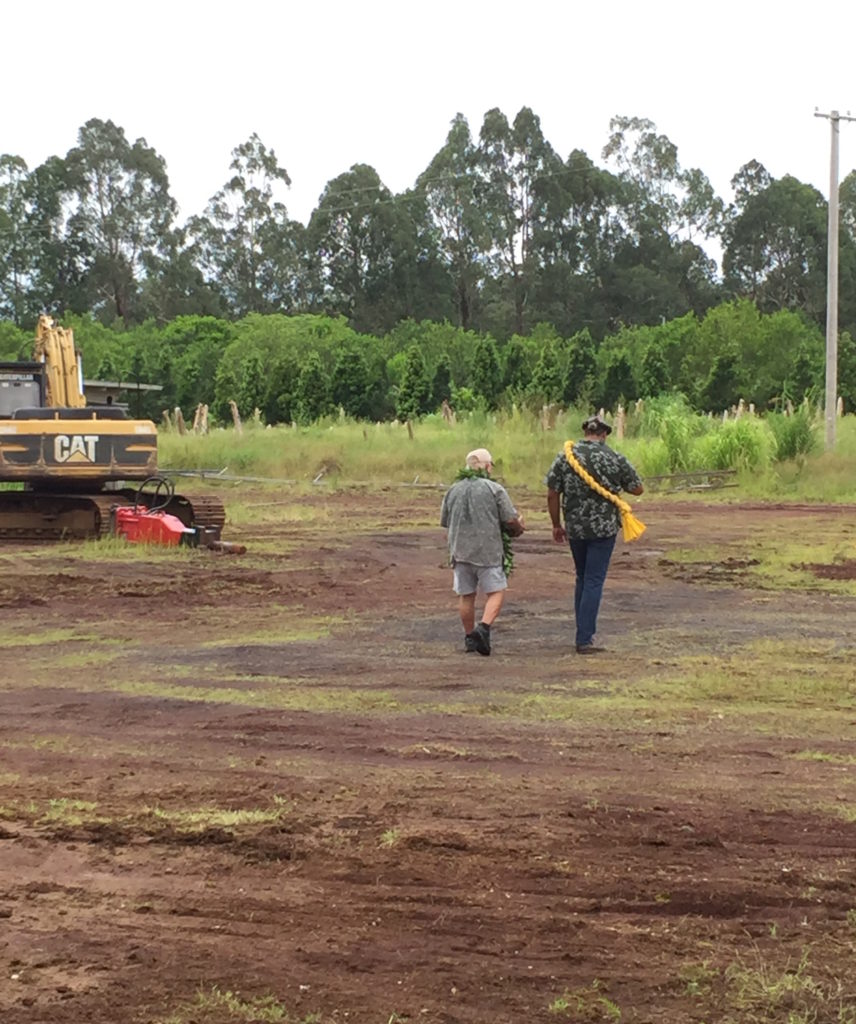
587, 514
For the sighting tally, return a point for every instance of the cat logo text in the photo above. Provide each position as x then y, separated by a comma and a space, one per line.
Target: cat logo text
75, 447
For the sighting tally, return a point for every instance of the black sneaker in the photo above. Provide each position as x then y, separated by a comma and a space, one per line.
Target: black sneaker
481, 635
470, 643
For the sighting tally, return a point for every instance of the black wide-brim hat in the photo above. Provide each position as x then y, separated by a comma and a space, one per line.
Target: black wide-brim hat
595, 425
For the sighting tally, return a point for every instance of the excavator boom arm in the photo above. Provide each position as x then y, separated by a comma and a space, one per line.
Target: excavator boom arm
54, 347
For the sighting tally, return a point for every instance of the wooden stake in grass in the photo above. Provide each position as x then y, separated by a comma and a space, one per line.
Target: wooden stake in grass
236, 417
620, 419
200, 419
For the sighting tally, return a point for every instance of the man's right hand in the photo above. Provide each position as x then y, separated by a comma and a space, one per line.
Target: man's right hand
514, 527
559, 535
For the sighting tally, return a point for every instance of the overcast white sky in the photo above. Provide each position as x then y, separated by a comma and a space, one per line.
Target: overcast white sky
327, 85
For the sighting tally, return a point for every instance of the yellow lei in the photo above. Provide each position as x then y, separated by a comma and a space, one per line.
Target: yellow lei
631, 527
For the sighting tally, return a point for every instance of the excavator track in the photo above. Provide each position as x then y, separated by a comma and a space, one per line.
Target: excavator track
45, 516
27, 515
204, 511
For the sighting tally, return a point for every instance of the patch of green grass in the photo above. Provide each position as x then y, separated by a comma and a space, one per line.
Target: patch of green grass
763, 993
274, 509
391, 837
216, 1004
697, 979
75, 745
841, 810
291, 631
586, 1004
28, 637
819, 755
64, 810
299, 699
779, 560
84, 659
765, 672
112, 549
215, 817
72, 811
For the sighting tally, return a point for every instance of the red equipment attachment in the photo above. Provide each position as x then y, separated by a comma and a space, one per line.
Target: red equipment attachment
146, 522
140, 525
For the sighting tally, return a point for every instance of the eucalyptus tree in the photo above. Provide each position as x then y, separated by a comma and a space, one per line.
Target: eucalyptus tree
775, 243
418, 284
449, 186
847, 254
575, 243
120, 207
660, 268
351, 233
647, 163
174, 284
514, 164
245, 243
60, 278
847, 205
17, 242
659, 192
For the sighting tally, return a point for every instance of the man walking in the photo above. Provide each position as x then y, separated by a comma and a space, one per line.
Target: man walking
592, 520
476, 510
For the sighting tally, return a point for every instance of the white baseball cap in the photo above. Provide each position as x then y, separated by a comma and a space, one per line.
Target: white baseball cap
479, 458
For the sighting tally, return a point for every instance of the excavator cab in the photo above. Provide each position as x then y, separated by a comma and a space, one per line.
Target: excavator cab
22, 386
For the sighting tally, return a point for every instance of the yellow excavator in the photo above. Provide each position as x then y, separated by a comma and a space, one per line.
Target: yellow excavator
71, 461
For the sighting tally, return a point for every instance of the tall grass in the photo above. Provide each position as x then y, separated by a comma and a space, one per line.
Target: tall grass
746, 443
775, 458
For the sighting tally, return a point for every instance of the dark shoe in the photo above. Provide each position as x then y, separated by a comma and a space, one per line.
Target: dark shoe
470, 643
481, 635
590, 649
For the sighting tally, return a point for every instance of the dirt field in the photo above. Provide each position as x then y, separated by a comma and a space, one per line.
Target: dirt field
275, 788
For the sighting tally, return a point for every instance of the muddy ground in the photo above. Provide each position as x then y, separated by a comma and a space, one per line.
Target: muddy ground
426, 835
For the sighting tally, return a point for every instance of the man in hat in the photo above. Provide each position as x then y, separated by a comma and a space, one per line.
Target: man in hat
476, 510
592, 522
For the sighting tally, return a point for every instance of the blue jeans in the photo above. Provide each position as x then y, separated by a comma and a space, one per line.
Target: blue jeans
591, 560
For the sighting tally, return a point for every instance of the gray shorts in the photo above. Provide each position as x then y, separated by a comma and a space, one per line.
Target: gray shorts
487, 578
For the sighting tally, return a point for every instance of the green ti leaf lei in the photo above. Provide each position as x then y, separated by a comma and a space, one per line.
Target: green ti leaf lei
507, 552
